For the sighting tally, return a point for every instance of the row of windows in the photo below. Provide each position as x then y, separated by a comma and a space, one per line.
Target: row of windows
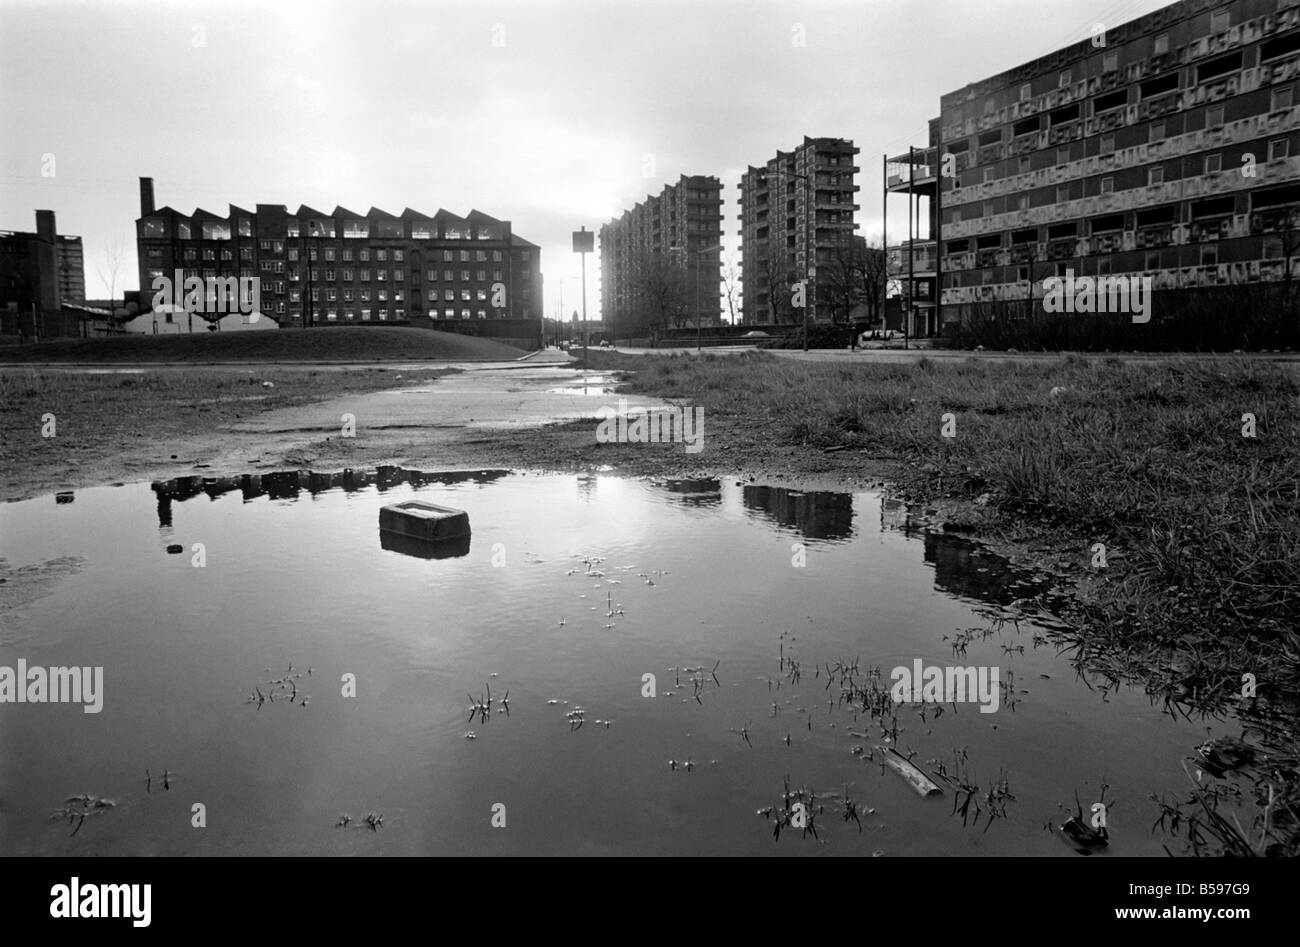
1278, 149
346, 315
1206, 255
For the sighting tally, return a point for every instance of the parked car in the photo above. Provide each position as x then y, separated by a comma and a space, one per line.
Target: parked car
604, 343
757, 334
880, 336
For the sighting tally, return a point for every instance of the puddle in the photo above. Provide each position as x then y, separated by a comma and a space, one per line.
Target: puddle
587, 385
742, 601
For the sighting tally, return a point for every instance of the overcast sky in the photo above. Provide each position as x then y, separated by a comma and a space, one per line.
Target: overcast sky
549, 113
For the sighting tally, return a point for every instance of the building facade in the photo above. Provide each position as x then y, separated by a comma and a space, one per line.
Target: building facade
320, 268
796, 214
661, 260
1165, 147
44, 269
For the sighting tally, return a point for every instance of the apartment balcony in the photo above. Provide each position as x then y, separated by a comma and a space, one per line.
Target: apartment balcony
922, 178
923, 258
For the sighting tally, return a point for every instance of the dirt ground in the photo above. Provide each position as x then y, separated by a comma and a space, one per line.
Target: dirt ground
489, 416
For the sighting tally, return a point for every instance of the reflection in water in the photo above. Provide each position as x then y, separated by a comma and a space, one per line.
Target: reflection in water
286, 484
813, 514
694, 492
602, 584
967, 569
453, 548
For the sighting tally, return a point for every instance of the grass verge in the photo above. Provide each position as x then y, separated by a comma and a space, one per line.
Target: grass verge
1199, 521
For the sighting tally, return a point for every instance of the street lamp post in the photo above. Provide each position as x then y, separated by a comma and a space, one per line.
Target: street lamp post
699, 342
584, 242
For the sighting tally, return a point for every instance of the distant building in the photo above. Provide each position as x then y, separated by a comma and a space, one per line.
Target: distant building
40, 274
661, 261
1165, 147
346, 267
796, 215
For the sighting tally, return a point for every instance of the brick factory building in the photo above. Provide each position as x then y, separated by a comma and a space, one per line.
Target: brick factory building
1164, 147
661, 261
364, 268
796, 214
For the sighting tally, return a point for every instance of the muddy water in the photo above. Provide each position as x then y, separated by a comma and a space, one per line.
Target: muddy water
295, 572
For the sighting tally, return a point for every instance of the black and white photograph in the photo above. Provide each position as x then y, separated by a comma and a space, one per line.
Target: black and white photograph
627, 430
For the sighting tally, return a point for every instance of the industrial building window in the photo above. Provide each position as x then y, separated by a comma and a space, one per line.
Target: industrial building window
329, 254
449, 295
1219, 20
329, 275
1107, 224
1026, 163
482, 314
464, 258
364, 256
1282, 46
293, 254
482, 274
480, 256
1067, 113
991, 241
448, 274
1064, 79
347, 295
1156, 216
1161, 45
266, 266
265, 244
1210, 254
347, 276
1026, 92
1272, 248
1108, 144
1025, 236
1154, 87
464, 295
331, 295
958, 246
1110, 62
1022, 202
397, 256
496, 256
383, 314
1213, 164
1112, 100
496, 274
464, 313
399, 275
1107, 185
381, 255
1155, 176
433, 295
1214, 207
1155, 132
1278, 148
381, 276
1214, 116
1062, 193
464, 275
1281, 99
365, 276
433, 275
1217, 68
1152, 260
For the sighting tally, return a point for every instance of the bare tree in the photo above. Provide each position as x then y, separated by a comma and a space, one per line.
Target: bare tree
662, 292
731, 285
111, 268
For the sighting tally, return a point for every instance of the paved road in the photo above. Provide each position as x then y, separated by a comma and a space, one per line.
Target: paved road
898, 355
